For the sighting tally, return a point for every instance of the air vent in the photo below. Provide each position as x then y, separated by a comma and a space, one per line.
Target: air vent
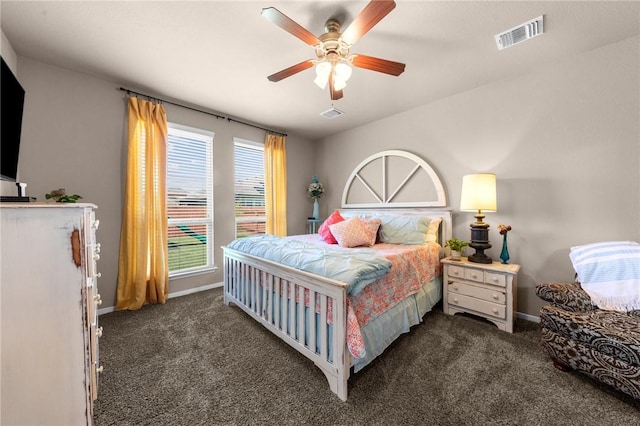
520, 33
331, 113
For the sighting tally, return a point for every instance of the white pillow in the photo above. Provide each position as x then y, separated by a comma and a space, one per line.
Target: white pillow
404, 229
432, 230
351, 233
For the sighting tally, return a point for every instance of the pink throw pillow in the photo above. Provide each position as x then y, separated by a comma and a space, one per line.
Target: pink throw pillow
351, 233
372, 224
324, 230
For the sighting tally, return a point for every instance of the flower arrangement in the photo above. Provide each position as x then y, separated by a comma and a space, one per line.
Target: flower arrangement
504, 229
315, 189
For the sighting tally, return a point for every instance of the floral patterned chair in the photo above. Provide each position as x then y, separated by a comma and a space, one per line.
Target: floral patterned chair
579, 336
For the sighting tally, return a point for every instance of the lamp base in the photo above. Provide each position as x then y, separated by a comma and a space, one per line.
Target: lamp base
480, 240
479, 257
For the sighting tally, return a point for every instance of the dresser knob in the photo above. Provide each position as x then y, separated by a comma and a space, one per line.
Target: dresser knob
455, 287
99, 332
96, 257
495, 296
95, 224
98, 275
474, 276
100, 369
98, 299
98, 246
455, 300
495, 311
495, 279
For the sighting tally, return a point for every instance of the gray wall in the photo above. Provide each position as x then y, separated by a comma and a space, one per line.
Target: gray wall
564, 141
74, 137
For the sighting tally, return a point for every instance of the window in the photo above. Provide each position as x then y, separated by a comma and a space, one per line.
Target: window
190, 200
249, 188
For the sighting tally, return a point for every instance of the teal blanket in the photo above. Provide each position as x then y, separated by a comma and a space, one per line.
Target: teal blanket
357, 267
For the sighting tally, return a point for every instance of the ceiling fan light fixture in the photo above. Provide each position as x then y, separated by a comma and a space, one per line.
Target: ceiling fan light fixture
323, 69
343, 71
321, 81
339, 83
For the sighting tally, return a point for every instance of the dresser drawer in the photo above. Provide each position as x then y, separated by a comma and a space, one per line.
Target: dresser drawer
494, 278
474, 275
477, 292
487, 308
456, 271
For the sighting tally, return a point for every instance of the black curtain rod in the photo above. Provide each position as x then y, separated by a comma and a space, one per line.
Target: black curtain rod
129, 92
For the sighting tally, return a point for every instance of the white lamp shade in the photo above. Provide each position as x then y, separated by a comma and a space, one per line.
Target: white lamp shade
479, 193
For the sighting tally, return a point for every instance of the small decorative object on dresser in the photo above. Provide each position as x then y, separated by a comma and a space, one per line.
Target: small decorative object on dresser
486, 290
457, 247
504, 254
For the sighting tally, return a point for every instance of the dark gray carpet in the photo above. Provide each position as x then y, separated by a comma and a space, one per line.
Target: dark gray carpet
194, 361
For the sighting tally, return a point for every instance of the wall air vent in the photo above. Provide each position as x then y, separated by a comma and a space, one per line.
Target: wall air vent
331, 113
520, 33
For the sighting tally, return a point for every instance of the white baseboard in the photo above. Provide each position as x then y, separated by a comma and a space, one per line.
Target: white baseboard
171, 295
528, 317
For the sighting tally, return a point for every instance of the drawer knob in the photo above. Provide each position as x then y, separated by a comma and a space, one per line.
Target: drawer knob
495, 311
495, 279
98, 275
98, 299
455, 300
96, 224
495, 296
96, 257
98, 246
100, 369
455, 287
99, 332
474, 276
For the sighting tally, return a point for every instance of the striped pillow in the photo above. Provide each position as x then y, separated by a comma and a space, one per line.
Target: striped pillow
610, 273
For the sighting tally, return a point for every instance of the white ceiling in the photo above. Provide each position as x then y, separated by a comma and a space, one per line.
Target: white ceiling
218, 54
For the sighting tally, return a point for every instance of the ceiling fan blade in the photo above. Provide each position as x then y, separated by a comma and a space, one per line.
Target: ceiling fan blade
288, 72
335, 94
289, 25
367, 19
377, 64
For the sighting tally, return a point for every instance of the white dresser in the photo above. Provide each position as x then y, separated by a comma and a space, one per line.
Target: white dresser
485, 290
49, 323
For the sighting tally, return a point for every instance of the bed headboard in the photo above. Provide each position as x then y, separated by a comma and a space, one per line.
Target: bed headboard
399, 183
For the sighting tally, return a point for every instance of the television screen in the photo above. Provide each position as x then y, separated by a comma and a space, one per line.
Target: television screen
12, 95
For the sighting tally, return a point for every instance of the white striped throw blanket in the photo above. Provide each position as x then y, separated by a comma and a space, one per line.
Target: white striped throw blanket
610, 273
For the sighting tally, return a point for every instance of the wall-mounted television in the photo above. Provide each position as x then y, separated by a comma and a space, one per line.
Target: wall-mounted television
12, 95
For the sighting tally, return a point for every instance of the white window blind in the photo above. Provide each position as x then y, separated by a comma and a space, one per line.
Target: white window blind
249, 188
190, 199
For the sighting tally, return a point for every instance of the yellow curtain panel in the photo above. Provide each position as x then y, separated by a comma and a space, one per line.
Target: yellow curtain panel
275, 176
143, 274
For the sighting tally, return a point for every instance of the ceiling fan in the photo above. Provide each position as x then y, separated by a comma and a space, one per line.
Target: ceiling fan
333, 58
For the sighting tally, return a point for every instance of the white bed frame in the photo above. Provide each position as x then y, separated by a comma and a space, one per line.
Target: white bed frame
249, 281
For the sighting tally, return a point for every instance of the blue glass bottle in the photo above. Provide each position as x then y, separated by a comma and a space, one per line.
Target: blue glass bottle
504, 254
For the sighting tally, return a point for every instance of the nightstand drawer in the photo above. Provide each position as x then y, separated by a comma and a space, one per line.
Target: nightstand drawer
474, 275
487, 308
477, 292
455, 271
494, 278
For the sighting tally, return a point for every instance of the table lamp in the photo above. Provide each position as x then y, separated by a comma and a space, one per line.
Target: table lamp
478, 194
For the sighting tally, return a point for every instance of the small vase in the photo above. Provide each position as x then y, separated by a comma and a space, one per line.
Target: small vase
316, 209
504, 254
456, 255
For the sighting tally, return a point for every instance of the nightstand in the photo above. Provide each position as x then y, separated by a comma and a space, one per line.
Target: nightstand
312, 225
486, 290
